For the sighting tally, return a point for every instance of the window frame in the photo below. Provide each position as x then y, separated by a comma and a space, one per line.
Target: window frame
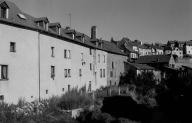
12, 46
1, 72
53, 72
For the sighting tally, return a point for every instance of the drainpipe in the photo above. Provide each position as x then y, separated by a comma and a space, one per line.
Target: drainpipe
39, 64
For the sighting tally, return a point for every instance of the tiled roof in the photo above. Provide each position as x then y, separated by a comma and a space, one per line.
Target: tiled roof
55, 24
30, 23
141, 66
153, 59
111, 47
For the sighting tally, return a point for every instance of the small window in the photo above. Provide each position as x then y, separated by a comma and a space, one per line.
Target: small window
90, 66
65, 73
69, 54
46, 91
80, 72
65, 53
52, 51
112, 65
89, 88
12, 47
63, 89
104, 58
69, 72
21, 16
3, 72
53, 72
101, 73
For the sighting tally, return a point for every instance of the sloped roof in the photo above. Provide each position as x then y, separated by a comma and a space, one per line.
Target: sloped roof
153, 59
111, 47
30, 23
141, 66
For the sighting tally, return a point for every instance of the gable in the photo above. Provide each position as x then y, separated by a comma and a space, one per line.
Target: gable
4, 4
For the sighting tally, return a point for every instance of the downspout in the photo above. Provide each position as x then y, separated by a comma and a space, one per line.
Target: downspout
39, 64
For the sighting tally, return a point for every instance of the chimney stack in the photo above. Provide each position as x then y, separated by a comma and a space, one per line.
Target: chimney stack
93, 32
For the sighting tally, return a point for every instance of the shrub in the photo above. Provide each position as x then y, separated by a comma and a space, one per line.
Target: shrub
74, 99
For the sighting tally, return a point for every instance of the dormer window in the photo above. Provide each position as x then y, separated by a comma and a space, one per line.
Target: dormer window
42, 23
4, 10
56, 27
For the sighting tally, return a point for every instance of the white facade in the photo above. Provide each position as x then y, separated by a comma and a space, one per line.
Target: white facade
22, 64
30, 65
189, 49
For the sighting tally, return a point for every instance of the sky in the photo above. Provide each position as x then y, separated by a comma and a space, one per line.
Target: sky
145, 20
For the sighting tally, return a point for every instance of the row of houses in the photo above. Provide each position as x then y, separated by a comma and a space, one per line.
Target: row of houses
39, 59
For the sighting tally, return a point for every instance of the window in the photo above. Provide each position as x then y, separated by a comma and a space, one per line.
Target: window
101, 73
90, 66
3, 72
89, 88
65, 73
99, 58
112, 65
104, 58
69, 72
80, 72
12, 47
63, 89
65, 53
3, 12
53, 72
69, 54
52, 52
46, 91
90, 51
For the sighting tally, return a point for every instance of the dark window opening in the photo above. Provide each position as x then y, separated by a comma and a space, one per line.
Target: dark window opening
3, 72
12, 47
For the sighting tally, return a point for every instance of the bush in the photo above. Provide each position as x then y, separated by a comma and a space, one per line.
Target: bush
75, 99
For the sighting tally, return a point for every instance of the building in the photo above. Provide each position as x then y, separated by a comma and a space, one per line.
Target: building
188, 48
39, 59
178, 52
157, 61
143, 50
139, 68
115, 63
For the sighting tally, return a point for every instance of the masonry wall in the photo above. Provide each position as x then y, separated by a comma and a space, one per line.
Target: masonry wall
80, 58
100, 65
114, 71
22, 64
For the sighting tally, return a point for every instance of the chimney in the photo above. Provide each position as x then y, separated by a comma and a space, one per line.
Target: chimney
93, 32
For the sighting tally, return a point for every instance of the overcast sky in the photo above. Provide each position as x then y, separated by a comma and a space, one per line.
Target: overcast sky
145, 20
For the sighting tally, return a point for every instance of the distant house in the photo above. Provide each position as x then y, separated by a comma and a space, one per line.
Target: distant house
139, 68
178, 52
167, 50
188, 48
157, 61
143, 50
